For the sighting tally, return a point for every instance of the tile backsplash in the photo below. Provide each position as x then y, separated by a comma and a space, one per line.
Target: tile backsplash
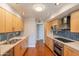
5, 36
68, 34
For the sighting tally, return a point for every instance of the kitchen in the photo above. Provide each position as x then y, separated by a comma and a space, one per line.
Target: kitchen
24, 25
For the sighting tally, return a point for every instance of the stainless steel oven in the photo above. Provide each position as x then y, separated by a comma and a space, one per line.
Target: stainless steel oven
58, 48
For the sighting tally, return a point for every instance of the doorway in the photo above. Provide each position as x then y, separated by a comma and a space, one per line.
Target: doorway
40, 32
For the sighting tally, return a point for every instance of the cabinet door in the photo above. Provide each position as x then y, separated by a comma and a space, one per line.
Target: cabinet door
17, 24
75, 21
8, 21
2, 21
21, 24
17, 50
20, 48
23, 46
46, 41
49, 43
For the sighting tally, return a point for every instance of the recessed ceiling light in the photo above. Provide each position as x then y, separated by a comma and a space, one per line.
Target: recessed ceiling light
38, 7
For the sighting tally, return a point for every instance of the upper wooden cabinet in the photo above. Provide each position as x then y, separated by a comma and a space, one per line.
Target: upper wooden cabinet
54, 22
75, 21
17, 24
57, 23
9, 22
47, 28
2, 21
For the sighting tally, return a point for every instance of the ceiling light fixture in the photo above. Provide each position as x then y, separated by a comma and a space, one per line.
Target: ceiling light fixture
38, 7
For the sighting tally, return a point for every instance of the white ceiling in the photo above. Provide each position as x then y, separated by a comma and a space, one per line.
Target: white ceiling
27, 9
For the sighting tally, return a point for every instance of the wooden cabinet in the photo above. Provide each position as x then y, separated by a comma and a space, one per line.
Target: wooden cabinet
56, 23
53, 23
17, 50
8, 22
48, 25
49, 43
68, 51
2, 21
75, 21
21, 47
20, 24
14, 23
17, 24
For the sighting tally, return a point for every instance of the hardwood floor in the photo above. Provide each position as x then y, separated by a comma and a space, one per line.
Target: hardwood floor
39, 50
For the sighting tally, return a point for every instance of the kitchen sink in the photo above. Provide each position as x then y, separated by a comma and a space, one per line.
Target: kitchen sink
64, 40
13, 41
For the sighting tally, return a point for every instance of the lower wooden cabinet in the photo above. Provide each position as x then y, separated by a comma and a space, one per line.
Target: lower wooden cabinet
17, 50
68, 51
23, 46
74, 22
49, 43
20, 48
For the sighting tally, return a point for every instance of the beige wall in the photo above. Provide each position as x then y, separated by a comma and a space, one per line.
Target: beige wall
30, 29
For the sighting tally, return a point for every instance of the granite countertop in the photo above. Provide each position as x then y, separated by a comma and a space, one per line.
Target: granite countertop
74, 45
6, 47
1, 42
